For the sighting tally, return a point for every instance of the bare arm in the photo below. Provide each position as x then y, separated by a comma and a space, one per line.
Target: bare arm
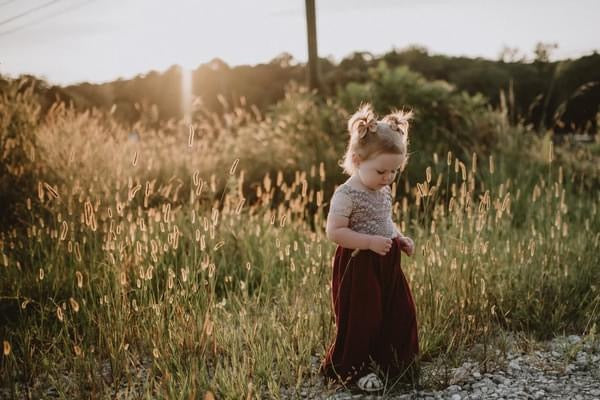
338, 231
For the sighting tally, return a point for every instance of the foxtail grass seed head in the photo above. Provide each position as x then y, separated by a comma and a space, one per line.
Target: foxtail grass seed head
41, 274
74, 304
191, 136
449, 162
428, 174
240, 205
135, 159
208, 327
77, 252
199, 188
59, 314
6, 347
234, 166
77, 351
41, 194
133, 191
63, 231
319, 198
79, 277
51, 191
463, 171
491, 164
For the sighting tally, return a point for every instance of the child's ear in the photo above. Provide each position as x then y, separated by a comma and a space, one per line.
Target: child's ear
355, 159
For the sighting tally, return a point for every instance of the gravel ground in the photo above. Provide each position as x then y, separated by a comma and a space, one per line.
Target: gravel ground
563, 368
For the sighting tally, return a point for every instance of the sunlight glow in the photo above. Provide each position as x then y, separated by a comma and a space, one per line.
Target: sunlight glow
186, 94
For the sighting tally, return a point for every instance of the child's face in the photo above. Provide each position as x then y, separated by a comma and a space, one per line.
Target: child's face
379, 171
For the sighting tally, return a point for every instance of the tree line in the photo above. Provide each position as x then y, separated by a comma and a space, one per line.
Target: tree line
560, 95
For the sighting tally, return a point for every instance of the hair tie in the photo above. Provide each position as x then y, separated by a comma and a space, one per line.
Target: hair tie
363, 121
398, 121
365, 127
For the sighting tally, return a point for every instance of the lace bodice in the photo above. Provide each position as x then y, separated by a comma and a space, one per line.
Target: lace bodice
367, 211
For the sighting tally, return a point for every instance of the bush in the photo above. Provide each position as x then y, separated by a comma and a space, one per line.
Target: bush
445, 119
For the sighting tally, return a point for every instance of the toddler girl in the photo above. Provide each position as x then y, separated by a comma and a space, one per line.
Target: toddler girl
374, 310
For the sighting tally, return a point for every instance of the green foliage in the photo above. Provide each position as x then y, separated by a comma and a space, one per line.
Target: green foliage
540, 89
446, 119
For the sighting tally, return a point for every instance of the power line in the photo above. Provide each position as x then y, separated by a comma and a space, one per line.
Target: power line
44, 18
31, 10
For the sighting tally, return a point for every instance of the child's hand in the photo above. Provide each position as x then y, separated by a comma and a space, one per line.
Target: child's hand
380, 244
407, 245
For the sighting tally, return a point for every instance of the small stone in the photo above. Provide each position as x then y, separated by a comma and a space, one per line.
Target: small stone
476, 375
459, 375
514, 365
456, 396
552, 388
540, 394
453, 389
574, 339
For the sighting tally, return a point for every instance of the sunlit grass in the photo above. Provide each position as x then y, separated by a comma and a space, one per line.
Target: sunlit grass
188, 253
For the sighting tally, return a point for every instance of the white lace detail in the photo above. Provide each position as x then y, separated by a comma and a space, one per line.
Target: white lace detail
368, 212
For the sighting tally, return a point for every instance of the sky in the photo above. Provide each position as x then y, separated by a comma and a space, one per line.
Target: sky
71, 41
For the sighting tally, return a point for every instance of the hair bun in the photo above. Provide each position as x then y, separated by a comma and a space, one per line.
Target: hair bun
362, 121
398, 120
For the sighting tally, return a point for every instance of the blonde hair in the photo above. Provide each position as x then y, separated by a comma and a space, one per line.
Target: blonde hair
370, 137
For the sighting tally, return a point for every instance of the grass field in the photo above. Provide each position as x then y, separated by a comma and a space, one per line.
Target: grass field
173, 249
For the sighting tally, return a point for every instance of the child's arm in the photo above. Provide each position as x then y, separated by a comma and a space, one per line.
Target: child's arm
407, 244
338, 231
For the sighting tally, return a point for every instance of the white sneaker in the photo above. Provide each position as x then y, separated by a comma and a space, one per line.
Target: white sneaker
370, 383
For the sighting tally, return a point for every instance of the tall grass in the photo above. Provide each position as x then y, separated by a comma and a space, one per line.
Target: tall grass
207, 255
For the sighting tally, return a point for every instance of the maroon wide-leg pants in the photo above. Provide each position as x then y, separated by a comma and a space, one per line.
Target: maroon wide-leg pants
374, 315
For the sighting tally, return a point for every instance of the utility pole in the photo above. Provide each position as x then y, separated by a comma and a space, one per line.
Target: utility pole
313, 60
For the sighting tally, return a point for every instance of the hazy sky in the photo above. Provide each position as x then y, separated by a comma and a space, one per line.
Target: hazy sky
68, 41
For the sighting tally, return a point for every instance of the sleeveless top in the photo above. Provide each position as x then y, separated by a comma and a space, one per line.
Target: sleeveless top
367, 211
